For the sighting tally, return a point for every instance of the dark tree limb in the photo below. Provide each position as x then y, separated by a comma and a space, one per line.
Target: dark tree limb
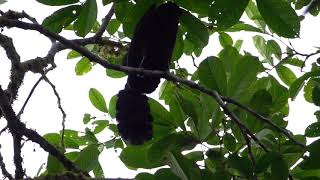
3, 169
18, 128
94, 58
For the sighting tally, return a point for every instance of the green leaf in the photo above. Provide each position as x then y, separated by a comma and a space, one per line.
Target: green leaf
57, 2
53, 138
165, 173
195, 28
301, 3
238, 44
243, 27
101, 125
73, 54
274, 48
316, 95
179, 47
226, 13
106, 2
225, 39
159, 113
279, 169
264, 162
98, 171
113, 26
175, 141
298, 83
83, 66
243, 75
183, 167
188, 47
254, 14
313, 130
229, 142
261, 45
213, 75
112, 106
88, 158
133, 15
97, 100
136, 157
86, 118
144, 176
312, 162
294, 62
280, 17
54, 166
61, 18
86, 19
242, 164
286, 75
114, 73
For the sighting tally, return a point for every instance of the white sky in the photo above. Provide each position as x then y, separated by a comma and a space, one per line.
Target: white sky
42, 113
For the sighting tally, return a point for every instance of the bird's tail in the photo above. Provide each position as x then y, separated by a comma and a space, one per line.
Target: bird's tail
133, 116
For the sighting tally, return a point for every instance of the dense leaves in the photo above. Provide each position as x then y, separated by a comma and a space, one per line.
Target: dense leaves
193, 138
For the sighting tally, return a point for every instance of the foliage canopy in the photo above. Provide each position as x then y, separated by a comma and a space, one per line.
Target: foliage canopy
236, 127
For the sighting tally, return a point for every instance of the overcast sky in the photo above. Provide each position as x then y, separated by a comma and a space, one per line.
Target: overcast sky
42, 113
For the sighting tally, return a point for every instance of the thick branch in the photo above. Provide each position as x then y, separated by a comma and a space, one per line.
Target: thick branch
18, 128
4, 170
130, 70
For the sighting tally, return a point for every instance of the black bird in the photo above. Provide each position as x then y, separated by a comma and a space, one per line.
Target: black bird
151, 48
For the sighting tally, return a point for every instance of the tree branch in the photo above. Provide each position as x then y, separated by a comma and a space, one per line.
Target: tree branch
18, 128
3, 169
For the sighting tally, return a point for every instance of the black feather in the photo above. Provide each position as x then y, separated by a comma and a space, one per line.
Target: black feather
151, 48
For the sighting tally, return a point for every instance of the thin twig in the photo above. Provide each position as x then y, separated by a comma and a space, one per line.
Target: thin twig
29, 96
64, 115
264, 119
105, 22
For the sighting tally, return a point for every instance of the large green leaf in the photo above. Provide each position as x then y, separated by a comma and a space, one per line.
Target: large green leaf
88, 158
243, 75
316, 95
54, 166
195, 28
183, 167
83, 66
286, 75
179, 47
136, 157
226, 13
213, 75
172, 142
97, 100
57, 2
61, 18
113, 26
313, 130
133, 15
298, 83
280, 17
242, 164
87, 18
279, 168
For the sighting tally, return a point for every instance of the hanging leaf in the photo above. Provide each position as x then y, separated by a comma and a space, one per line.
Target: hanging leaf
280, 17
86, 19
61, 18
226, 13
97, 100
57, 2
